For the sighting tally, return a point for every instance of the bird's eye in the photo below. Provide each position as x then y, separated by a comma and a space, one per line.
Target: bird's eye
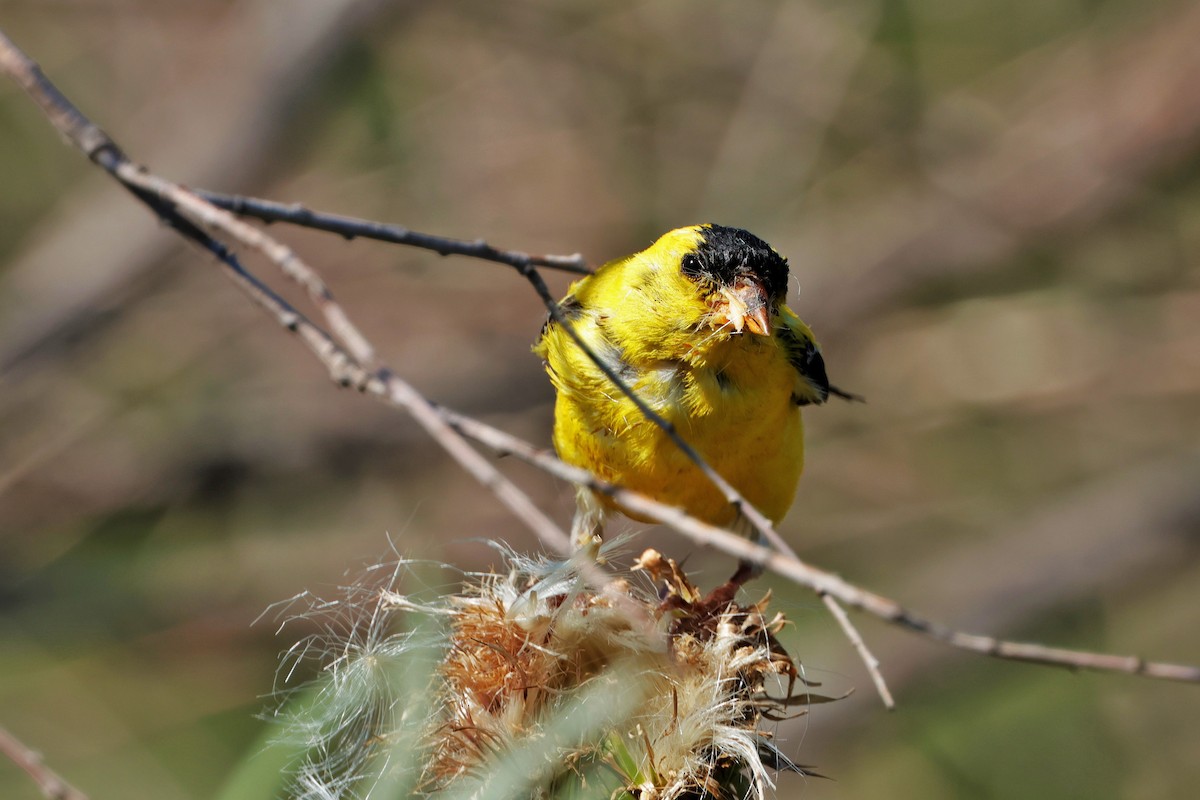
690, 264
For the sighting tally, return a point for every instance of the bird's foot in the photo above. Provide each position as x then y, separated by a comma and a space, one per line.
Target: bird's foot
746, 571
587, 527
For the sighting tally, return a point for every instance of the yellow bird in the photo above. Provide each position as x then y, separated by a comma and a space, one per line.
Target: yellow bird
697, 326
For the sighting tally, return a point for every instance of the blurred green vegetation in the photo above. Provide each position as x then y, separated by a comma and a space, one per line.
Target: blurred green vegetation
992, 211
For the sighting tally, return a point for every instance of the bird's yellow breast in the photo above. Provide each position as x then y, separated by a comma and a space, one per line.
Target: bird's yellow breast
752, 435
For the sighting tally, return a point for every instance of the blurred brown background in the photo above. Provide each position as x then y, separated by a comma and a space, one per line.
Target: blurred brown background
992, 210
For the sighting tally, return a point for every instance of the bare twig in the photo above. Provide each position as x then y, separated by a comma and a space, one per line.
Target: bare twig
185, 212
804, 574
868, 658
214, 219
51, 785
353, 228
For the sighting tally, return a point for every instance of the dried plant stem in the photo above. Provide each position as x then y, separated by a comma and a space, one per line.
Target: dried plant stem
48, 781
352, 365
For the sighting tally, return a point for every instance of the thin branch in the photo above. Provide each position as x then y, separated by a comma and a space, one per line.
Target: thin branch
353, 228
291, 265
169, 201
51, 785
868, 658
804, 574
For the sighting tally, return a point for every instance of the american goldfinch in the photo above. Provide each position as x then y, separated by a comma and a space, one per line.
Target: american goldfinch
697, 326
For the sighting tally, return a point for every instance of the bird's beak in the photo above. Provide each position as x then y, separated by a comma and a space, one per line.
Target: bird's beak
744, 305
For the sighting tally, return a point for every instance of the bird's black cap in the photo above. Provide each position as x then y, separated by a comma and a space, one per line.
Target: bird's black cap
724, 254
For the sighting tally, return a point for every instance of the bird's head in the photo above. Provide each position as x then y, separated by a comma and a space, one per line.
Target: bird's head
740, 278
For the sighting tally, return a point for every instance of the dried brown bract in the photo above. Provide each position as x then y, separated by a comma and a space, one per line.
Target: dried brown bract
540, 686
522, 648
